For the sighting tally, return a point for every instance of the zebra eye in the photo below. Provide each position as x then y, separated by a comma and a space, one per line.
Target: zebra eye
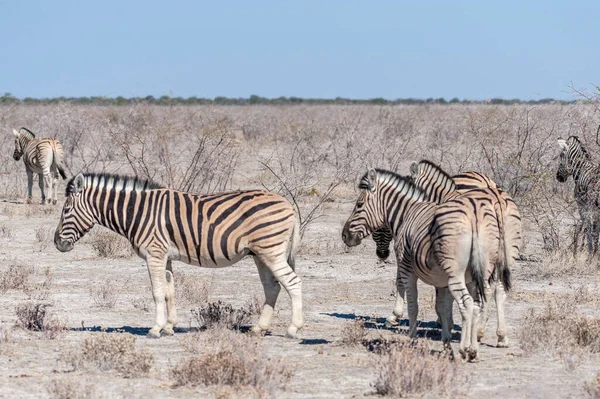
360, 204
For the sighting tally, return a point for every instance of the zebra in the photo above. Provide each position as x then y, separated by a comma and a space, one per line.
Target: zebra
43, 156
440, 187
214, 230
444, 245
575, 161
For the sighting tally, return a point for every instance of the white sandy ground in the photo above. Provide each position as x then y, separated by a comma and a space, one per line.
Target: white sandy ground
337, 286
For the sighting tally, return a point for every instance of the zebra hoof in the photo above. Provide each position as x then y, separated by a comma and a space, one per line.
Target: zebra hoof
473, 356
154, 332
502, 342
292, 332
28, 201
258, 331
391, 322
54, 202
168, 330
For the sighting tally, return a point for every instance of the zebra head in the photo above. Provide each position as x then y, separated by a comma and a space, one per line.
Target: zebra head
76, 219
572, 155
22, 138
367, 215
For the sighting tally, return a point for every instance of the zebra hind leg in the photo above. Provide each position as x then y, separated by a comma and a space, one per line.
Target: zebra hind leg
485, 308
288, 278
443, 308
271, 288
29, 186
157, 271
170, 299
500, 296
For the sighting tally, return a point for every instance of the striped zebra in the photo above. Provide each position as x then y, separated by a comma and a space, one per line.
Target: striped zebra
215, 230
43, 156
575, 161
440, 187
444, 245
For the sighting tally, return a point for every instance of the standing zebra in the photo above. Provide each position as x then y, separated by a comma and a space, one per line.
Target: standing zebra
215, 230
575, 161
440, 187
444, 245
43, 156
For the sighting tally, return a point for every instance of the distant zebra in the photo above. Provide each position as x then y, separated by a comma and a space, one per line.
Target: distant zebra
215, 230
440, 187
43, 156
575, 161
444, 245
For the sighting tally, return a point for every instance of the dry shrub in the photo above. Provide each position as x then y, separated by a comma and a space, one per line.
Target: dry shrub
42, 238
104, 294
219, 314
558, 328
36, 317
192, 289
14, 275
6, 233
562, 263
593, 388
114, 351
233, 359
410, 368
40, 291
69, 389
354, 333
107, 244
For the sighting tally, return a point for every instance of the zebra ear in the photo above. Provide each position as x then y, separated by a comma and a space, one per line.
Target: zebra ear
78, 183
372, 176
562, 144
414, 169
15, 133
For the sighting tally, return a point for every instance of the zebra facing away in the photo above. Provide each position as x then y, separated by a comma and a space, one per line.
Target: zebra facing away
215, 230
575, 161
444, 245
43, 156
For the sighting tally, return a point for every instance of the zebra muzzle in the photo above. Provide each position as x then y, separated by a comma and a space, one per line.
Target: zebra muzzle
62, 246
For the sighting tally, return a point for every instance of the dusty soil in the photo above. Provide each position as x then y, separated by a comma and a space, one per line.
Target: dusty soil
337, 286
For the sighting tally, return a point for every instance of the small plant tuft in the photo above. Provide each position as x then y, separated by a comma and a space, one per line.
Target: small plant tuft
107, 244
104, 294
35, 317
69, 389
221, 314
354, 333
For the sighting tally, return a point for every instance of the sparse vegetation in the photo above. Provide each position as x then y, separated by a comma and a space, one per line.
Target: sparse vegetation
107, 244
410, 368
106, 352
105, 293
593, 388
219, 314
233, 359
354, 333
34, 316
42, 237
14, 275
192, 289
69, 388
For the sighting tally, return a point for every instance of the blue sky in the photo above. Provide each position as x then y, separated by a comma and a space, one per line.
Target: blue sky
311, 48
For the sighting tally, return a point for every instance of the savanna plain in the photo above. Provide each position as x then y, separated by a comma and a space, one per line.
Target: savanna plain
74, 324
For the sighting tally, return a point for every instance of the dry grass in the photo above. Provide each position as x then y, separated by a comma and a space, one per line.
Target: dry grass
563, 262
5, 340
6, 233
192, 289
593, 388
354, 333
70, 388
410, 368
558, 329
114, 351
43, 238
107, 244
105, 293
236, 360
143, 304
219, 314
14, 275
40, 291
34, 316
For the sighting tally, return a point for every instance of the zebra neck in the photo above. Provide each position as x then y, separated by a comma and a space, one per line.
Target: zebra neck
582, 169
398, 202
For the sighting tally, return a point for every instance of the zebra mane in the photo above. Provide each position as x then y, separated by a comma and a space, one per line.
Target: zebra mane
575, 139
27, 133
440, 175
101, 180
406, 183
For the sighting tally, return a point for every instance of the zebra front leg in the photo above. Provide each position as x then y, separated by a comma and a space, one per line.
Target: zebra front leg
157, 271
392, 320
271, 288
489, 289
443, 308
412, 302
170, 299
500, 296
29, 186
288, 278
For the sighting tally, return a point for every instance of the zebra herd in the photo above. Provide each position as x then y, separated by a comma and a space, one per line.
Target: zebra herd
460, 234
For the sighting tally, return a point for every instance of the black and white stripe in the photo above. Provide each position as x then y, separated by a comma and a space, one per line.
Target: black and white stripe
215, 230
45, 157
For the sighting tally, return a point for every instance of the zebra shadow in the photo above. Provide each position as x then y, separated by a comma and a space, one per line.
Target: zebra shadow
430, 329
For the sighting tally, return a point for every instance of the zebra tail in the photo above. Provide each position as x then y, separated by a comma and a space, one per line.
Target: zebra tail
59, 161
504, 255
479, 263
294, 243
